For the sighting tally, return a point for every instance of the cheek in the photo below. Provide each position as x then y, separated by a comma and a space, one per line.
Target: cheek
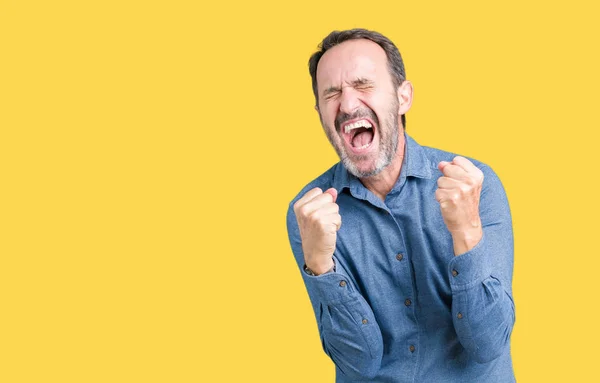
381, 105
328, 116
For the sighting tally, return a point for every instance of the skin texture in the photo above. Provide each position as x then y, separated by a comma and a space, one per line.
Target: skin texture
458, 193
318, 221
354, 82
353, 79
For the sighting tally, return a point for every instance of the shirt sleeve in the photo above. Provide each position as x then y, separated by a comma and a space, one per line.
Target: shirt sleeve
349, 333
481, 279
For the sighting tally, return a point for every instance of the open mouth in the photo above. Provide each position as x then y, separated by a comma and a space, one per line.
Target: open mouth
358, 134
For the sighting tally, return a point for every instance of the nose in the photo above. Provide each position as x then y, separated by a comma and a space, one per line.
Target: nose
349, 101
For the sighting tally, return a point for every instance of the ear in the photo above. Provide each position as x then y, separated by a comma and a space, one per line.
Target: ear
405, 97
317, 108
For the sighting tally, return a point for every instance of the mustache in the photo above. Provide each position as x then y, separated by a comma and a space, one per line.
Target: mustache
360, 113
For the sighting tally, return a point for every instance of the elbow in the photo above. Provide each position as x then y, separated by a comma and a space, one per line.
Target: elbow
364, 370
368, 370
487, 353
492, 344
356, 349
361, 364
485, 330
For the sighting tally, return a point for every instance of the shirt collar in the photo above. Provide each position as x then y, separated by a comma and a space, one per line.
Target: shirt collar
415, 164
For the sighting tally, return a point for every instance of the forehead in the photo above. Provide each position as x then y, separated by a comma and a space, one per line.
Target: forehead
350, 60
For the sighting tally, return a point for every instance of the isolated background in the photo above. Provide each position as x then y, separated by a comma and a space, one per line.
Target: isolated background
149, 150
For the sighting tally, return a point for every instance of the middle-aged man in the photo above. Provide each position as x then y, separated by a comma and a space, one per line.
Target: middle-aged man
415, 285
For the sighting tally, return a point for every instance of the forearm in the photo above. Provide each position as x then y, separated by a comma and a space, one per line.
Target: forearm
347, 326
482, 307
348, 329
351, 337
480, 275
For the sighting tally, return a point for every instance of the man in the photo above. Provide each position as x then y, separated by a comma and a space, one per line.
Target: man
415, 285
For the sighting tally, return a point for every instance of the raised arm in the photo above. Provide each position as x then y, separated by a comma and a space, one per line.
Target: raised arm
349, 332
481, 271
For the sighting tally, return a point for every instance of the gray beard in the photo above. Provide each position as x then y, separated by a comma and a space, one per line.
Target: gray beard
388, 145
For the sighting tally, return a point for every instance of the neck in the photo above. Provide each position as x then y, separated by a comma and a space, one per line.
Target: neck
381, 183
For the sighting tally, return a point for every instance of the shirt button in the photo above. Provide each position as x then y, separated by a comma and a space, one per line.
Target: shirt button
342, 283
459, 315
399, 257
407, 302
412, 348
364, 321
454, 273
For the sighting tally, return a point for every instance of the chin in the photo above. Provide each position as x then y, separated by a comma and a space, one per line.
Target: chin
370, 168
362, 171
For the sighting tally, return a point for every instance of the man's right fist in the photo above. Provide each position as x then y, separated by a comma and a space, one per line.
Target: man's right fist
318, 220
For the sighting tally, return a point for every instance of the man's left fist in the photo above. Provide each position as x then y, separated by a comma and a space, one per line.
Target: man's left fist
458, 193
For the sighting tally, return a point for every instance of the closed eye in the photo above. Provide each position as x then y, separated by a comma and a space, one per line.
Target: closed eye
364, 87
331, 95
363, 84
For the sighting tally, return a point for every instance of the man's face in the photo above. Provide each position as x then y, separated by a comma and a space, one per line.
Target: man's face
358, 106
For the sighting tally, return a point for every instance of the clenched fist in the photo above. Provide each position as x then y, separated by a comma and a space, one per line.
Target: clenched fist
458, 194
318, 220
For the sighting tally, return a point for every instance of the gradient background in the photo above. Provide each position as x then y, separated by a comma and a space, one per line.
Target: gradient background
149, 150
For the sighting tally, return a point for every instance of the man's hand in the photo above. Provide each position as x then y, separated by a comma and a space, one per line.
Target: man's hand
458, 194
318, 220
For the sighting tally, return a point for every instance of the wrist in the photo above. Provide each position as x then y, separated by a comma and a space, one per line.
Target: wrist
467, 239
315, 269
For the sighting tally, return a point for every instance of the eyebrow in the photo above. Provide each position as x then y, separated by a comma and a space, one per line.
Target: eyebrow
362, 81
358, 82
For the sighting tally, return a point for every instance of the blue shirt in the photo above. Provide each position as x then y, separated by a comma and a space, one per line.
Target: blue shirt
400, 306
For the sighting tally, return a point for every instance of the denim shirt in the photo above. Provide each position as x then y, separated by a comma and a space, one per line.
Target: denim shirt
400, 306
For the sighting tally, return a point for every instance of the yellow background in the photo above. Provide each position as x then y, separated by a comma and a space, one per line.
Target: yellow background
149, 150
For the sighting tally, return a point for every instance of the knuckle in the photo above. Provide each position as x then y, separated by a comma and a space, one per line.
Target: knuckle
314, 216
337, 219
296, 207
302, 211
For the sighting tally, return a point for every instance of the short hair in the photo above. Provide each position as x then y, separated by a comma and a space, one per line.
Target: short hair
395, 63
